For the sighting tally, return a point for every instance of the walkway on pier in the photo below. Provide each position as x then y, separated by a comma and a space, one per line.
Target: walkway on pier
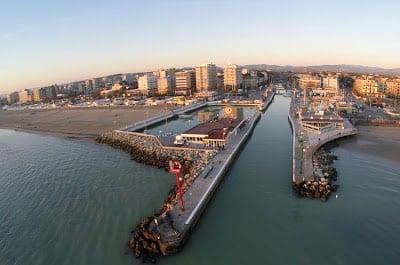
162, 117
306, 143
203, 187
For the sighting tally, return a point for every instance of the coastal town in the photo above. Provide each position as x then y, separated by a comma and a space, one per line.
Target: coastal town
199, 132
222, 109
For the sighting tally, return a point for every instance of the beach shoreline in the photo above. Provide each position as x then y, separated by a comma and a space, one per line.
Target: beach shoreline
79, 124
384, 141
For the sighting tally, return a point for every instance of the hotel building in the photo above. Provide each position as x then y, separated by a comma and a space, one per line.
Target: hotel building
206, 77
185, 82
233, 79
147, 83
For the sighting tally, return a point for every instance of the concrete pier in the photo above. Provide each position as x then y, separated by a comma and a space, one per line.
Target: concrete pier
162, 117
168, 229
203, 188
306, 143
201, 191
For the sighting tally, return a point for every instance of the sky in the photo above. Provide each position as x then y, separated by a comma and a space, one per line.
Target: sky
48, 42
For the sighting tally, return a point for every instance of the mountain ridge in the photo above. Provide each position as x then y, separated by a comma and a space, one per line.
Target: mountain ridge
351, 68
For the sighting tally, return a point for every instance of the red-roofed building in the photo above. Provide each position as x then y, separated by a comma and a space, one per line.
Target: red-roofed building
215, 133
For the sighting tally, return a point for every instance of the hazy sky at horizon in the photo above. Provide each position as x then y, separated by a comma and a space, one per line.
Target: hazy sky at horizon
47, 42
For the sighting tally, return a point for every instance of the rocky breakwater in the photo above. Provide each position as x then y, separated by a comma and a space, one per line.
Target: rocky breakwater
324, 175
157, 235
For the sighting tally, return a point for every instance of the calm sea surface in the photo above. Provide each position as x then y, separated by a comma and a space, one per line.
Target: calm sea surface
69, 202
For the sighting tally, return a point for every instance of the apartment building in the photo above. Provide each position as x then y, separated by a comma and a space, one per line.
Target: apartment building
206, 77
233, 79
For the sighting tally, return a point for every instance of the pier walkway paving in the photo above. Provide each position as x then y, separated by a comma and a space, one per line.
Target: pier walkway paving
162, 117
306, 143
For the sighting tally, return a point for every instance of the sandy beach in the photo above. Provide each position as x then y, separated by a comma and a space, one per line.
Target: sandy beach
77, 123
377, 141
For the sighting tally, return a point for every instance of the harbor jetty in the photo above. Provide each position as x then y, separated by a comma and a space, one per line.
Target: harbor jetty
312, 176
166, 231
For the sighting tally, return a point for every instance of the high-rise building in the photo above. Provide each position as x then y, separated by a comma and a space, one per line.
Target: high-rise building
164, 85
47, 93
206, 77
129, 78
147, 82
89, 86
185, 82
97, 83
13, 98
23, 96
233, 79
35, 95
164, 73
250, 81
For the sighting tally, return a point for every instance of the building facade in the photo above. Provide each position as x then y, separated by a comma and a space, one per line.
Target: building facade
310, 82
393, 87
147, 83
206, 77
23, 96
330, 81
164, 85
249, 81
233, 79
369, 86
13, 98
185, 82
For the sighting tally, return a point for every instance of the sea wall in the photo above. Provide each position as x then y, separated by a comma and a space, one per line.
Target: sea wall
147, 149
146, 242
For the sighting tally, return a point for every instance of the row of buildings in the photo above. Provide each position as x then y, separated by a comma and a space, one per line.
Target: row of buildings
35, 95
315, 81
375, 85
364, 85
205, 77
187, 81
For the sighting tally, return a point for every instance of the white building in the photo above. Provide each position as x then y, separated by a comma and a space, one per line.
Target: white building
147, 82
23, 96
330, 82
206, 77
164, 85
233, 79
185, 82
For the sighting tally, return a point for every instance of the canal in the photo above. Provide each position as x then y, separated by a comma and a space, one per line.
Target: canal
256, 218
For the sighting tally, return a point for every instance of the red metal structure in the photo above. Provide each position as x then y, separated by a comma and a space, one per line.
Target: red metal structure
175, 168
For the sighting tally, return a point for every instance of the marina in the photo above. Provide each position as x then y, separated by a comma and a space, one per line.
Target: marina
167, 231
